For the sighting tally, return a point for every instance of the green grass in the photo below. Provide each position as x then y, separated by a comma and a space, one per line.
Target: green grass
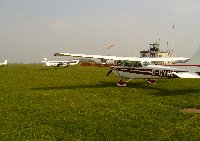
39, 103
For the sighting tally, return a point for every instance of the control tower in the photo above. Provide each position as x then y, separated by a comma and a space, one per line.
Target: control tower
154, 51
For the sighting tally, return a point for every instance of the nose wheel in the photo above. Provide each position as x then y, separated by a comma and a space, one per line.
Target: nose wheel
150, 81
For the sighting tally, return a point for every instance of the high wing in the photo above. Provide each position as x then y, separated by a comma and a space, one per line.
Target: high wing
173, 59
87, 56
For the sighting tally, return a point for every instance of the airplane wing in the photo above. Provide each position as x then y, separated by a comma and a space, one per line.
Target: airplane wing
159, 59
85, 56
173, 59
115, 58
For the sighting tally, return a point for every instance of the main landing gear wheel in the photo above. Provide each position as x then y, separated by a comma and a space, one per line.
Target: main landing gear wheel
121, 83
150, 81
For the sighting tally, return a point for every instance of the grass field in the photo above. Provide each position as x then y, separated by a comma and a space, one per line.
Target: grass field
39, 103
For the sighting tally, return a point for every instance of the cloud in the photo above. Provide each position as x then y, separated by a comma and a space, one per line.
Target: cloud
59, 25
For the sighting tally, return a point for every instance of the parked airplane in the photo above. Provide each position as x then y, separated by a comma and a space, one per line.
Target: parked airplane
60, 63
55, 63
73, 62
4, 63
128, 68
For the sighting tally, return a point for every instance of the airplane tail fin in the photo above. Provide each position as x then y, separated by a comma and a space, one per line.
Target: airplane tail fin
45, 60
195, 59
5, 62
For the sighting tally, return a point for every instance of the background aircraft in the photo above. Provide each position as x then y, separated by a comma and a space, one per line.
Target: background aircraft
55, 63
73, 62
4, 63
60, 63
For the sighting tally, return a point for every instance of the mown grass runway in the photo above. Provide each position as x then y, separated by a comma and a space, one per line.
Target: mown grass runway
81, 103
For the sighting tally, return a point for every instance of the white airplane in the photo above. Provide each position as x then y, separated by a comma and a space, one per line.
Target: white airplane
128, 68
4, 63
73, 62
60, 63
56, 63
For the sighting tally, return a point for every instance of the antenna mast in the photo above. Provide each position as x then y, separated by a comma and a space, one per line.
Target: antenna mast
173, 37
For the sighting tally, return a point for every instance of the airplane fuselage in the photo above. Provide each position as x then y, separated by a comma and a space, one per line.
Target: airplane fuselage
57, 63
149, 72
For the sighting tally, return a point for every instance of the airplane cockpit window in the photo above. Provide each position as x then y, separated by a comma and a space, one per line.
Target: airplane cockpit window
137, 64
128, 64
132, 64
119, 62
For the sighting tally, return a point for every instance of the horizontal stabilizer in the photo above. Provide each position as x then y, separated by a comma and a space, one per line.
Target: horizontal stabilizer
185, 75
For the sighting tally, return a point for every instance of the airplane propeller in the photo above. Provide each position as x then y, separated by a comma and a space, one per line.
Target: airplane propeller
109, 72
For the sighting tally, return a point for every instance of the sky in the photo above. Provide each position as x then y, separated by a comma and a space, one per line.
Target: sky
33, 29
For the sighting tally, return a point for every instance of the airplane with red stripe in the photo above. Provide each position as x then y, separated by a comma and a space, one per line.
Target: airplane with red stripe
128, 68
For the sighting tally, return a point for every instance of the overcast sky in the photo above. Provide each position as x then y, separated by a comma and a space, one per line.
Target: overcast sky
33, 29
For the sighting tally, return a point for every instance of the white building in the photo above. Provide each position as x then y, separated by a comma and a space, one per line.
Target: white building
154, 51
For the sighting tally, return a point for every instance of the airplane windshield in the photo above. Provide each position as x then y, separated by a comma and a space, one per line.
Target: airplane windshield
73, 61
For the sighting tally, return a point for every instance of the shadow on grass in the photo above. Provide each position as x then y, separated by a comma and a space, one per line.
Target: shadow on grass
164, 91
83, 86
45, 69
52, 68
160, 91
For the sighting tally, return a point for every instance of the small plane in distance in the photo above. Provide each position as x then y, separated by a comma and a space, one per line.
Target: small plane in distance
128, 68
4, 63
60, 63
55, 63
73, 62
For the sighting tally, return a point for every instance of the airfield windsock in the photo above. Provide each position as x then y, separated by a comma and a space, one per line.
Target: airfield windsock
110, 46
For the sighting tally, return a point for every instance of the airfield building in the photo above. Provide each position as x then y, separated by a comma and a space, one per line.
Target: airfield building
154, 51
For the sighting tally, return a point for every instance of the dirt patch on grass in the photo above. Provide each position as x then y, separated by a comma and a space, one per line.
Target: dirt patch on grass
191, 110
